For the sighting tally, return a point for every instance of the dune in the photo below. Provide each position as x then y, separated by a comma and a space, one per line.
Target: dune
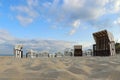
64, 68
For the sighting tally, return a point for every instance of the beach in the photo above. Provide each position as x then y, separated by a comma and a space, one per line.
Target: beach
62, 68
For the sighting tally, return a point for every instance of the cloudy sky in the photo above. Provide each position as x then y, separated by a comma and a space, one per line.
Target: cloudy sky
59, 20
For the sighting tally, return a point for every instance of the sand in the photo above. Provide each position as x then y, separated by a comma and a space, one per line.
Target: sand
64, 68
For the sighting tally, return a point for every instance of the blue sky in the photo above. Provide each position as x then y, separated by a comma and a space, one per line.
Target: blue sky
67, 20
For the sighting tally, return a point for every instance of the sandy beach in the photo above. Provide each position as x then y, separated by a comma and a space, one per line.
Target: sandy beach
65, 68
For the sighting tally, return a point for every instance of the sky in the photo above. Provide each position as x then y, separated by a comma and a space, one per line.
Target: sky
62, 20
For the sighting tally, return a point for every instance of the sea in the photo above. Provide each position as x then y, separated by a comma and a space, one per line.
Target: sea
6, 54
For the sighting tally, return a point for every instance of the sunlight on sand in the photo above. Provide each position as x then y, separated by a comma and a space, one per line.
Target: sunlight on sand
64, 68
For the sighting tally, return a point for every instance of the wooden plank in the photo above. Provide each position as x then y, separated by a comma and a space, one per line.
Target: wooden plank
102, 43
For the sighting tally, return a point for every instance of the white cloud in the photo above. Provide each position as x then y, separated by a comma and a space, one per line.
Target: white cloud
24, 20
114, 6
117, 21
76, 23
87, 45
5, 36
67, 12
73, 4
7, 42
32, 3
84, 9
72, 31
75, 26
47, 4
25, 10
26, 14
